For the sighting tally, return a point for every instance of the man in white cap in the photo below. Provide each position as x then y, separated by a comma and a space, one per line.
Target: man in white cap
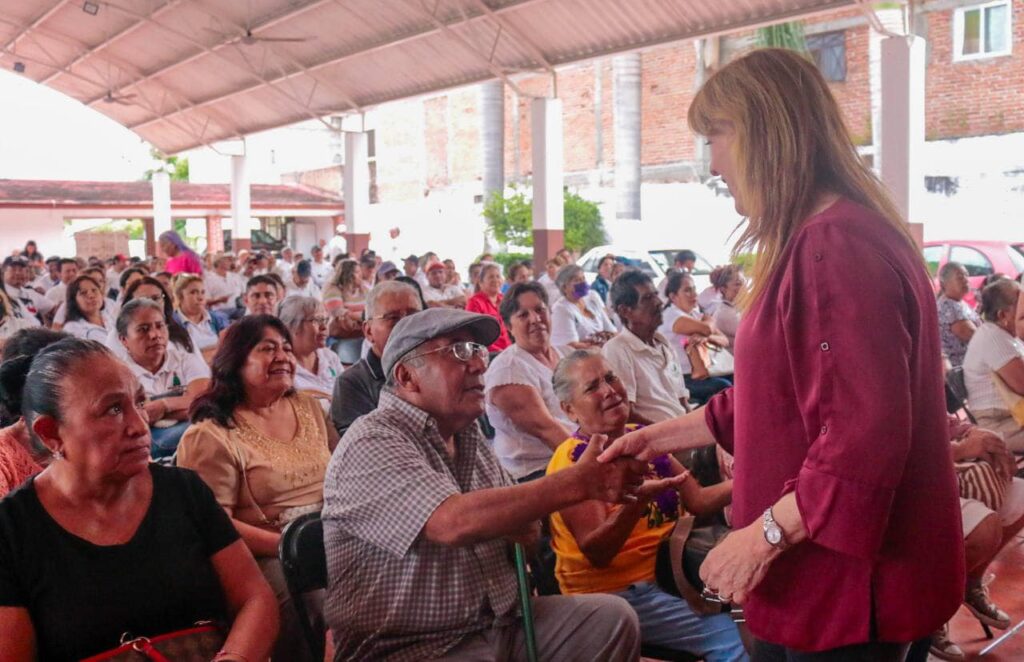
418, 516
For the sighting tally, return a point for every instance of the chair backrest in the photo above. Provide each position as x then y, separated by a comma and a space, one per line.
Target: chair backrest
956, 393
305, 569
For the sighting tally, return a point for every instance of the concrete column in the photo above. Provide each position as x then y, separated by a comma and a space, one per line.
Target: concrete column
241, 205
150, 235
492, 133
356, 192
891, 20
161, 202
902, 120
627, 136
548, 201
214, 233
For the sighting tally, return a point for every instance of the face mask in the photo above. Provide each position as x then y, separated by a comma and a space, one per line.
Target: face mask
580, 290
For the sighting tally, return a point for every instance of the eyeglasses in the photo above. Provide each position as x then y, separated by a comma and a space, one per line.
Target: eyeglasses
463, 351
318, 321
394, 318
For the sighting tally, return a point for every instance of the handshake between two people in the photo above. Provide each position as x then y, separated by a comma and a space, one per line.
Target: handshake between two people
618, 471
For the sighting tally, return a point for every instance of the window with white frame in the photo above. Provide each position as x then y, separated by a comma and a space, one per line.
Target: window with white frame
981, 31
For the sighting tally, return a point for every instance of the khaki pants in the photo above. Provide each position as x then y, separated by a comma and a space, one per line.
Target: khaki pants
291, 643
999, 420
568, 628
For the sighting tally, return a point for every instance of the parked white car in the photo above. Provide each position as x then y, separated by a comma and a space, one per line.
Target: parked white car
655, 263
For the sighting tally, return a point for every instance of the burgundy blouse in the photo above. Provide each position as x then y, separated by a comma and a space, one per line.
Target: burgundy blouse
839, 397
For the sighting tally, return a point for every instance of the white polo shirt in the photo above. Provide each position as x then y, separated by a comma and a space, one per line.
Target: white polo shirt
321, 272
218, 286
180, 368
651, 374
432, 294
328, 369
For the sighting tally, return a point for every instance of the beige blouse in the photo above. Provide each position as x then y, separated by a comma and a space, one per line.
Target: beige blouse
256, 477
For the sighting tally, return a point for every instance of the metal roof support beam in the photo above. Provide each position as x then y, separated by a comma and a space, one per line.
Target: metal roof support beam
36, 22
181, 35
535, 50
295, 11
340, 58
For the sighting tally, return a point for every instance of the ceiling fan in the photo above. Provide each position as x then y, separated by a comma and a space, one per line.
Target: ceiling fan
247, 38
123, 99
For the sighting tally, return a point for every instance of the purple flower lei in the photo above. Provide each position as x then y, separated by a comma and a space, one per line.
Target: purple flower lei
666, 500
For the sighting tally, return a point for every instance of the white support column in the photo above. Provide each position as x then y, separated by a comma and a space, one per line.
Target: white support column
902, 120
356, 191
161, 202
627, 136
241, 204
548, 204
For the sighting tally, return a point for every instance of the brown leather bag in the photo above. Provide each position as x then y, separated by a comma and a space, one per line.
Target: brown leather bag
196, 644
700, 357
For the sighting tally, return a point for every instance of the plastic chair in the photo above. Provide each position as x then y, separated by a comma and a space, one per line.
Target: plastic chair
305, 569
956, 394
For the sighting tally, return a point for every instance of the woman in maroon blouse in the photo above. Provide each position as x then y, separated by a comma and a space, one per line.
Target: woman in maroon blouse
847, 538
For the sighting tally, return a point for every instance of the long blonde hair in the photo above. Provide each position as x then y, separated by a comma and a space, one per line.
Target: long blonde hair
791, 145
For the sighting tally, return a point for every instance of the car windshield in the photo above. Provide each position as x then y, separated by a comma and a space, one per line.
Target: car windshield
1017, 257
666, 258
636, 263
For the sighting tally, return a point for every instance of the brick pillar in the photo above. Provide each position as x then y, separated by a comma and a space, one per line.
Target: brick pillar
356, 242
150, 233
545, 244
214, 234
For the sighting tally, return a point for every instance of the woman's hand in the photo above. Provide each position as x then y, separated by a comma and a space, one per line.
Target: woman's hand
637, 444
988, 446
738, 563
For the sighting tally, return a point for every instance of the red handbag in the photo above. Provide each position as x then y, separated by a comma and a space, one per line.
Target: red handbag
200, 643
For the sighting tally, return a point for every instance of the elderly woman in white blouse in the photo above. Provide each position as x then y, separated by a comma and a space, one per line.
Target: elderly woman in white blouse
578, 318
520, 400
316, 367
995, 351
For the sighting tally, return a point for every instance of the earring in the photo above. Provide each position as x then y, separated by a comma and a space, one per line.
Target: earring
58, 455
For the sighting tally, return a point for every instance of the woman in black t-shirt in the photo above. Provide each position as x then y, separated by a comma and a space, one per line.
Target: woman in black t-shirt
102, 542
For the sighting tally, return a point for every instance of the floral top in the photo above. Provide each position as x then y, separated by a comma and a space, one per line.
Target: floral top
951, 312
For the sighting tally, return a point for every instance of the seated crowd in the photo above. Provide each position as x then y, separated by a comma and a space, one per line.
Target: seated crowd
431, 422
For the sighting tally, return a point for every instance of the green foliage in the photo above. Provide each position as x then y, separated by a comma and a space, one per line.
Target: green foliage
134, 228
505, 259
511, 220
176, 167
783, 35
746, 261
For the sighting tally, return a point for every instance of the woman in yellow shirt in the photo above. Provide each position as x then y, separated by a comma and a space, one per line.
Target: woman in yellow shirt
604, 548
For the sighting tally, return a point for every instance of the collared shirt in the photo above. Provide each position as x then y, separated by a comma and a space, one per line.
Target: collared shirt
180, 368
321, 272
443, 293
391, 593
57, 293
229, 285
291, 289
356, 392
327, 370
650, 373
839, 398
204, 335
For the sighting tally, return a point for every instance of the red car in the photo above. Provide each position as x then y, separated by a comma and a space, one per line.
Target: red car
980, 258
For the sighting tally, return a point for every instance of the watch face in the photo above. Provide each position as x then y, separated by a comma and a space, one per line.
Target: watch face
774, 535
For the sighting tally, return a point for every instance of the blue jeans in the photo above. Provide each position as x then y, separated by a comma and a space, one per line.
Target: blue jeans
165, 440
668, 621
701, 390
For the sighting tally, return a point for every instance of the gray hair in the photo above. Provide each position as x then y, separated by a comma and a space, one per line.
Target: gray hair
999, 295
42, 394
948, 270
560, 378
565, 274
131, 309
296, 308
385, 288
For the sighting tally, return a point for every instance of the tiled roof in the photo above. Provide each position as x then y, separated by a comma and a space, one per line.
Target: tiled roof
86, 194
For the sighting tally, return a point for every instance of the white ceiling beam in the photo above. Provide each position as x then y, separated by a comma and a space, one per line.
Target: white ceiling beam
293, 11
379, 46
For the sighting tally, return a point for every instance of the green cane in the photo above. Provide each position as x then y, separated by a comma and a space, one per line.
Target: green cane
524, 600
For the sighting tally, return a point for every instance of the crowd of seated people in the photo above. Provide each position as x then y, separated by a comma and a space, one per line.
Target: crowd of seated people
292, 385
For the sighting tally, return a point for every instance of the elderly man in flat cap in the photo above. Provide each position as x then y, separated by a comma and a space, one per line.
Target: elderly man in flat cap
418, 517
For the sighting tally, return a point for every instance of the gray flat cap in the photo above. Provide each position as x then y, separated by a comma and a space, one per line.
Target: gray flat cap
414, 330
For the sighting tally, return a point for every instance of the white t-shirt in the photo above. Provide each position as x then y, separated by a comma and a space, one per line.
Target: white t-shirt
519, 452
57, 294
328, 369
569, 325
12, 325
310, 289
550, 287
88, 330
203, 334
990, 349
180, 368
727, 320
27, 303
651, 375
676, 341
321, 272
447, 292
218, 286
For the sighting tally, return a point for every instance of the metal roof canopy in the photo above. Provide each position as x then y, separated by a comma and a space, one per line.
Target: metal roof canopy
186, 73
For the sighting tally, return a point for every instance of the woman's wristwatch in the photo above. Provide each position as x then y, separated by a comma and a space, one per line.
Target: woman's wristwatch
773, 533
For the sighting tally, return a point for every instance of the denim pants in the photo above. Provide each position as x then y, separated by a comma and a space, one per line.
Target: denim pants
669, 622
701, 390
165, 440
